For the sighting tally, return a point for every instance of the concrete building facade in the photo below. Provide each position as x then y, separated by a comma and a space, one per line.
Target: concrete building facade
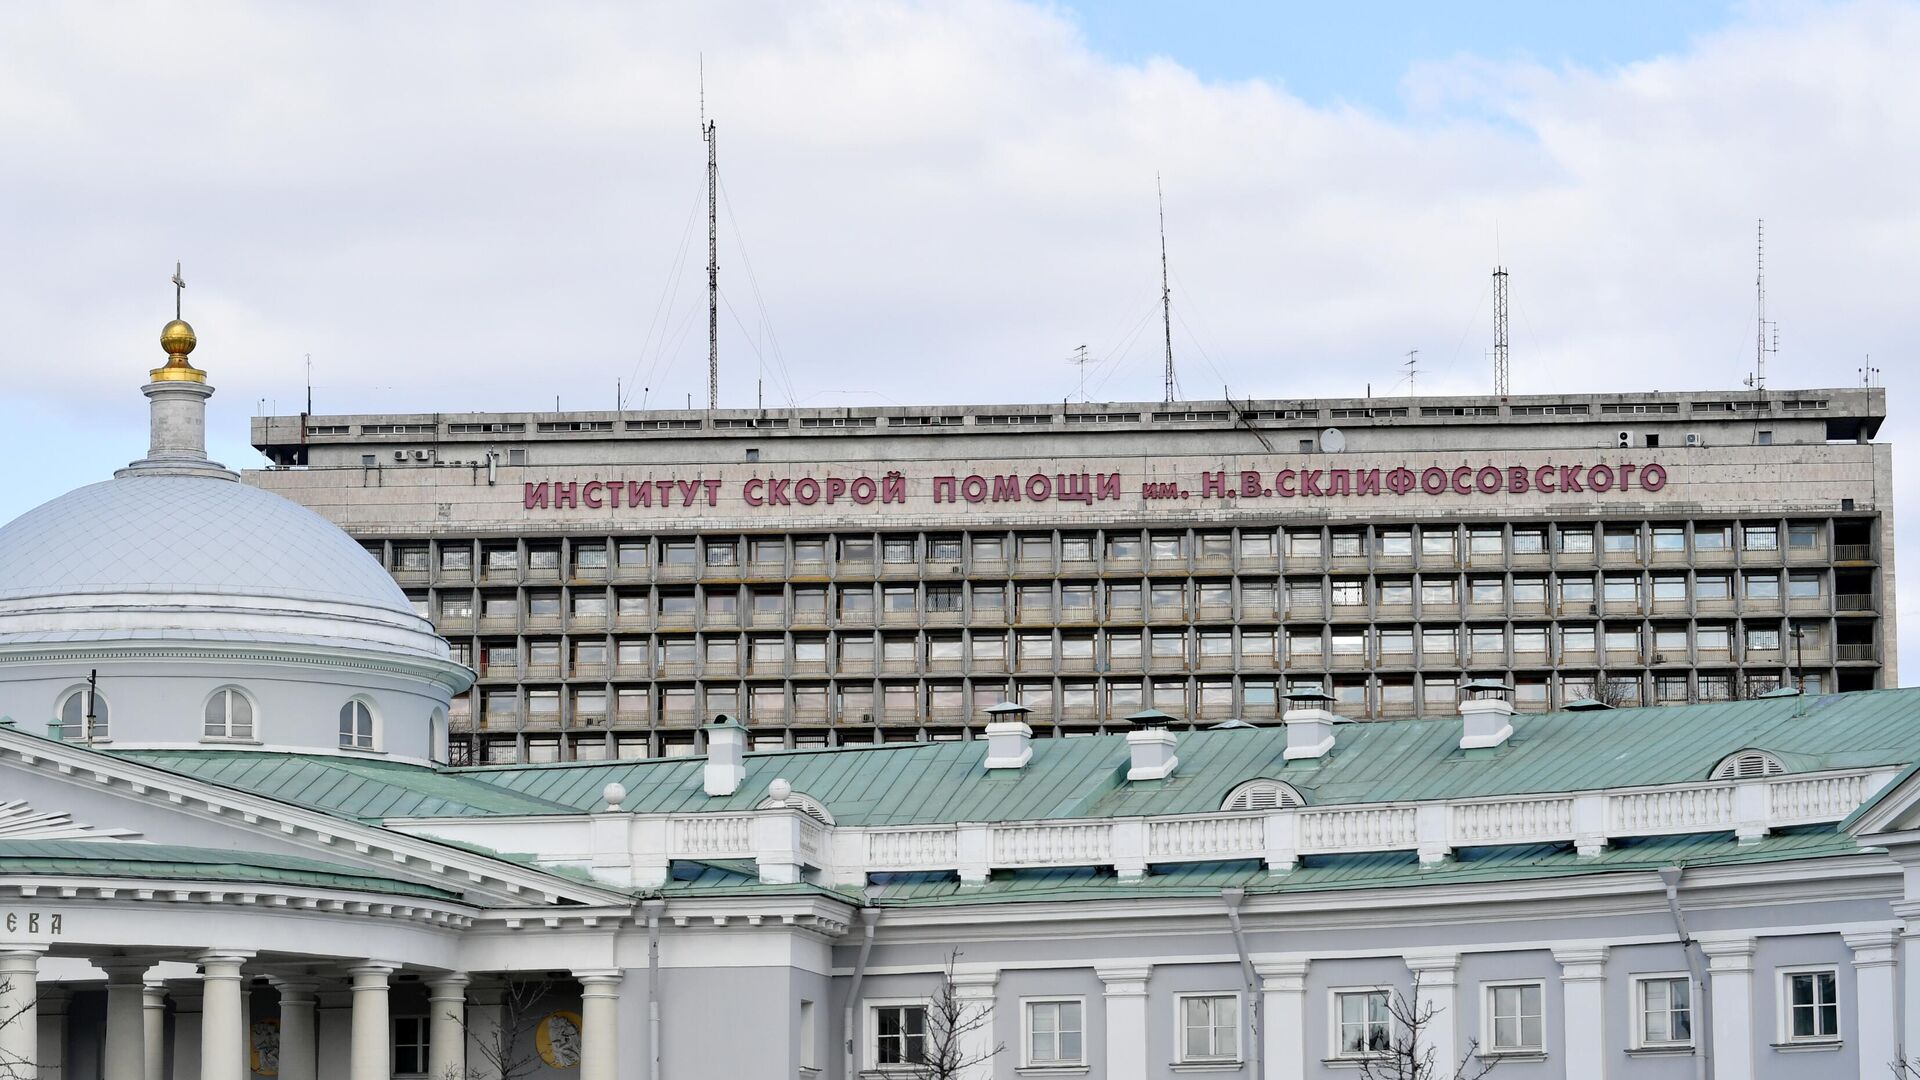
863, 575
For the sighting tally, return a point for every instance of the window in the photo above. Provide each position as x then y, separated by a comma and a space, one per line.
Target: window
1169, 546
1348, 592
1485, 542
809, 550
1811, 1006
83, 715
1396, 591
899, 1035
1668, 538
1054, 1031
1209, 1027
1303, 545
1576, 639
1803, 536
944, 549
856, 550
1665, 1011
1712, 537
1514, 1019
410, 1045
1076, 549
1262, 794
229, 715
1761, 538
1123, 547
1488, 590
1762, 587
1349, 544
1670, 587
1621, 541
1803, 586
1438, 591
897, 550
1394, 543
1529, 541
1437, 543
1748, 765
1713, 587
456, 558
1575, 542
356, 725
1529, 590
1362, 1025
1761, 638
1256, 545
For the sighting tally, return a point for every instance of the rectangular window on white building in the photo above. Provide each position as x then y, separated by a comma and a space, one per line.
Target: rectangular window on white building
1810, 1005
1209, 1027
1664, 1010
1054, 1034
899, 1034
409, 1046
1362, 1024
1515, 1019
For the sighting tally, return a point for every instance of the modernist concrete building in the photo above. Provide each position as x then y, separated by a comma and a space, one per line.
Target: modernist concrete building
866, 575
230, 847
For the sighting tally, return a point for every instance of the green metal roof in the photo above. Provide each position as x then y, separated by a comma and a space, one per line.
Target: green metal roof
1379, 870
1400, 760
115, 859
349, 787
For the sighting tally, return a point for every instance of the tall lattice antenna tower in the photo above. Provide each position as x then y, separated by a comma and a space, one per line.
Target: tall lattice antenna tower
712, 136
1760, 350
1166, 292
1412, 365
1501, 384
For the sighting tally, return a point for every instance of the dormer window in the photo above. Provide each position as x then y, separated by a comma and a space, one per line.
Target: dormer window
229, 715
806, 804
83, 715
356, 725
1748, 765
1263, 794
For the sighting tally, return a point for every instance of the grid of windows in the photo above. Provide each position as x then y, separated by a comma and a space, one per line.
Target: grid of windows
613, 643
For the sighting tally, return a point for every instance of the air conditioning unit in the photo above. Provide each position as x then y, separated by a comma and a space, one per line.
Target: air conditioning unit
1693, 438
399, 455
422, 455
1623, 439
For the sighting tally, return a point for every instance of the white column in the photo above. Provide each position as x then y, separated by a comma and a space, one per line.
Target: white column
126, 1045
372, 1053
447, 1026
1583, 990
52, 1008
1126, 1001
187, 1021
1283, 1013
333, 1032
1435, 976
1730, 990
223, 1031
153, 1019
1909, 1034
484, 1009
19, 990
299, 1059
1877, 1018
973, 990
599, 1023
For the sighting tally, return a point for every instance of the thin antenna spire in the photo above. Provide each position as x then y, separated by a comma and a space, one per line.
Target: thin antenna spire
309, 384
1166, 292
1501, 385
1759, 380
708, 132
1413, 369
1080, 360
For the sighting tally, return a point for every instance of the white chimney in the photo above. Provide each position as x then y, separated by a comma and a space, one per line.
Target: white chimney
1150, 747
726, 755
1486, 715
1009, 738
1309, 725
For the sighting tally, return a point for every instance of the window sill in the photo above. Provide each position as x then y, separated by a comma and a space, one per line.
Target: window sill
227, 740
1052, 1070
364, 750
1352, 1061
1808, 1046
1660, 1051
1207, 1066
1511, 1055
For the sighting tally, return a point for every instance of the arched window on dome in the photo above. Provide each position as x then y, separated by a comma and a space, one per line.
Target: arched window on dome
83, 715
358, 726
229, 715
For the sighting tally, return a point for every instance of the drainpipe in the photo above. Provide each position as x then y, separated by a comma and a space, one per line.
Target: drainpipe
1233, 898
1702, 1028
869, 918
653, 908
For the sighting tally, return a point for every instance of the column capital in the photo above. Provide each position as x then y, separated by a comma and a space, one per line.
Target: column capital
1873, 948
1582, 963
1729, 954
154, 994
223, 957
296, 991
1434, 969
1285, 976
1124, 980
367, 971
15, 957
599, 982
123, 970
447, 986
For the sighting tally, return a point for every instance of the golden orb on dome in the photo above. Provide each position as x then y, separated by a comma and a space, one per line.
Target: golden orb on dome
178, 339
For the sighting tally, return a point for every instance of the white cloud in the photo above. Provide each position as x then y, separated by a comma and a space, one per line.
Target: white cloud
476, 205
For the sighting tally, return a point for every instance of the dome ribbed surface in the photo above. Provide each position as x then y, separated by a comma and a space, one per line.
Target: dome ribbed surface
188, 534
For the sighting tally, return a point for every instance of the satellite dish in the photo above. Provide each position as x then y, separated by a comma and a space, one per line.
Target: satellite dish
1333, 440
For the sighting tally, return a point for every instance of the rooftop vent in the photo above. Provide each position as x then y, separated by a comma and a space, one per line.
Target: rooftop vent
726, 755
1748, 765
1263, 794
1150, 746
1309, 724
1009, 739
1487, 713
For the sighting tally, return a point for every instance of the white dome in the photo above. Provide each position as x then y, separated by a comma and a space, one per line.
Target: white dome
196, 558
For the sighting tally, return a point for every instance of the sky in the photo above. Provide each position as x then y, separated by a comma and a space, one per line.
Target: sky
481, 205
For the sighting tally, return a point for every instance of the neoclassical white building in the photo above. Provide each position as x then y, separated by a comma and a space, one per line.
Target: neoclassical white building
229, 846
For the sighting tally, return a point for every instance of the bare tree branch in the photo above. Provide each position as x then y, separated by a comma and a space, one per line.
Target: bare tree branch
1408, 1055
951, 1019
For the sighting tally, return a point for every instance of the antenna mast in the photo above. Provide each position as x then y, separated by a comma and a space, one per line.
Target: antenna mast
1759, 380
708, 133
1166, 293
1413, 369
1500, 372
